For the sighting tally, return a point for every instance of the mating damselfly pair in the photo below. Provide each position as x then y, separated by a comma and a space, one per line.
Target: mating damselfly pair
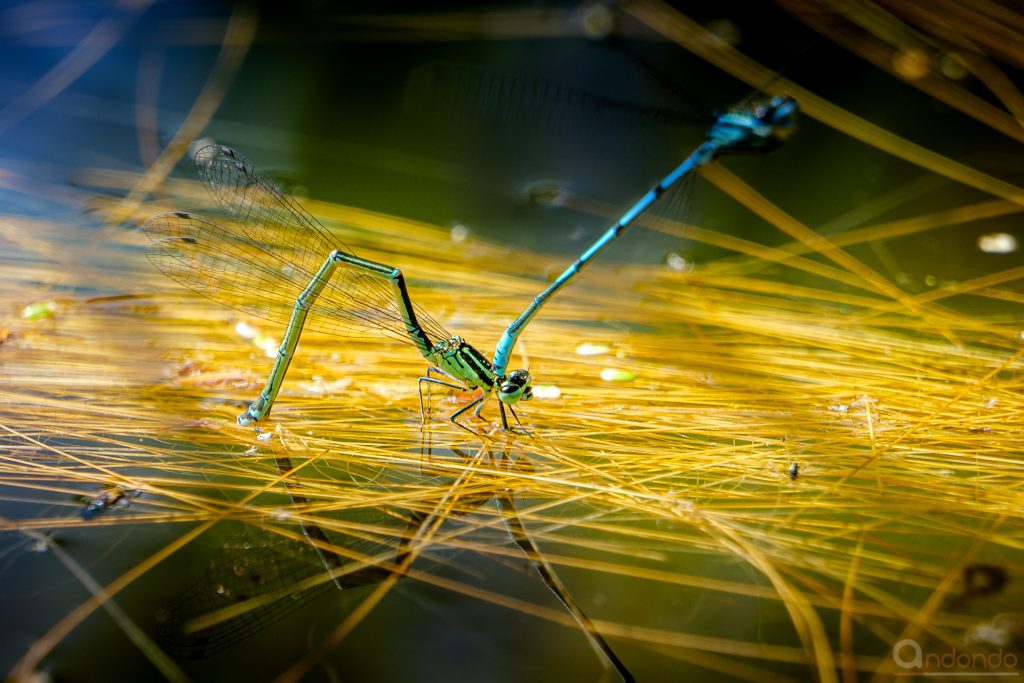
278, 263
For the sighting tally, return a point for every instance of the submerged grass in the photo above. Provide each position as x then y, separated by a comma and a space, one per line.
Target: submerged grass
907, 445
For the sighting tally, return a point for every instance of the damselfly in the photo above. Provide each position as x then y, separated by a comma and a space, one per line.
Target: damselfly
280, 264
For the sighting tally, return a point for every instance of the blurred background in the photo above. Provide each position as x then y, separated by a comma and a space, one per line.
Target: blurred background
456, 114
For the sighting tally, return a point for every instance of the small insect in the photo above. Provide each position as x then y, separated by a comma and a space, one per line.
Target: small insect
794, 471
116, 496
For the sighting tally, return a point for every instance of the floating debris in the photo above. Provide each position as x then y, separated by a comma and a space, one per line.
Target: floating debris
953, 66
319, 387
997, 243
1003, 630
41, 310
617, 375
545, 391
593, 349
547, 193
911, 64
863, 401
117, 496
268, 345
41, 543
678, 262
982, 580
597, 20
189, 368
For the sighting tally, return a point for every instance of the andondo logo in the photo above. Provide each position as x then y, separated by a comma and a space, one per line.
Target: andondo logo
909, 655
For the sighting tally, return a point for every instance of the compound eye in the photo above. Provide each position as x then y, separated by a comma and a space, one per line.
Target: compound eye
516, 387
519, 377
509, 393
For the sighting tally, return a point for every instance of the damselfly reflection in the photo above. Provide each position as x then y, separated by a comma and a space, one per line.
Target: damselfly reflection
257, 579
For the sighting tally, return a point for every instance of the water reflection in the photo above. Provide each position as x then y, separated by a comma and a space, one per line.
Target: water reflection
257, 578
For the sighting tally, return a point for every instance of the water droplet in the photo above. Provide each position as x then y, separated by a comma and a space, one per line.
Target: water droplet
546, 391
617, 375
911, 64
678, 262
953, 66
40, 310
245, 330
593, 349
997, 243
597, 19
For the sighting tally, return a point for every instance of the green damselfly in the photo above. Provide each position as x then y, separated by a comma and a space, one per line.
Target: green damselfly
280, 264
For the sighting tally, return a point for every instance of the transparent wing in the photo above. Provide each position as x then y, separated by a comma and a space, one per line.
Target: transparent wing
239, 573
227, 266
276, 577
261, 264
264, 213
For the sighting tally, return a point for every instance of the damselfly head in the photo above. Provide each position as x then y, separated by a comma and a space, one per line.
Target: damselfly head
518, 386
778, 111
